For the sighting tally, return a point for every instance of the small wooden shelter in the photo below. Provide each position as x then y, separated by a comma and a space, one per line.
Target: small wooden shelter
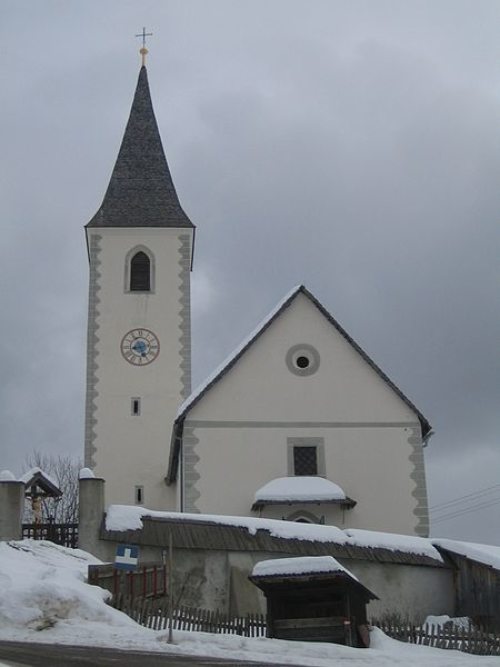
313, 598
39, 486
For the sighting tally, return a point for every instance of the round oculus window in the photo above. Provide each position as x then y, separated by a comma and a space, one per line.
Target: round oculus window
302, 359
302, 362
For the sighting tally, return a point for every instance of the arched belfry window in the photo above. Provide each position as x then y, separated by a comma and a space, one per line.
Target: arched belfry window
140, 272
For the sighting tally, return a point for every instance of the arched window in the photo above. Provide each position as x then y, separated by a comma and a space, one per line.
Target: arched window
140, 273
301, 516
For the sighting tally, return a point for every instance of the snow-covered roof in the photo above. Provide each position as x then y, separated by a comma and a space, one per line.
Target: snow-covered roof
232, 358
299, 566
301, 489
39, 477
487, 554
122, 518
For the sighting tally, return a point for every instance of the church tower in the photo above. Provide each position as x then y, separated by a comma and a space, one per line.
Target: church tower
140, 245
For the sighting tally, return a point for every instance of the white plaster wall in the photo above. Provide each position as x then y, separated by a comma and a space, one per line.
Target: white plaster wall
411, 591
371, 464
243, 422
133, 450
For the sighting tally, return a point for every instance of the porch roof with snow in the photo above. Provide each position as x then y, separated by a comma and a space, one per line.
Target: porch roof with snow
301, 490
233, 358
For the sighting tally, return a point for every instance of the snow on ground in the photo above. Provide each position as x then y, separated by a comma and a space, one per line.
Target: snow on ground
462, 622
129, 517
297, 489
45, 599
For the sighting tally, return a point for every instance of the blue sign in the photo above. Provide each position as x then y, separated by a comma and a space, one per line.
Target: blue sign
127, 557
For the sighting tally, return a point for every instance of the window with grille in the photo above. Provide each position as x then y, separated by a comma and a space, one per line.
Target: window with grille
140, 273
305, 460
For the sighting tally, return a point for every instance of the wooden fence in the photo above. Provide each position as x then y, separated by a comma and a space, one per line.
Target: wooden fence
65, 534
148, 581
153, 613
469, 639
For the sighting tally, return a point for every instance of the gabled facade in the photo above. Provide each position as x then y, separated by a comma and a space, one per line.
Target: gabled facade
301, 399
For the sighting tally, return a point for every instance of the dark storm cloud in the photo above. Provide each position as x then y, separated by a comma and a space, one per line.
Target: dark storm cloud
353, 146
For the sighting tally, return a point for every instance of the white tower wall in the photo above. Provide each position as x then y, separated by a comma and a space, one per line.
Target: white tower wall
127, 450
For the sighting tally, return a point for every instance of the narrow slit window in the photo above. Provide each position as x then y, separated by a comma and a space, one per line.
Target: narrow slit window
140, 273
135, 407
139, 495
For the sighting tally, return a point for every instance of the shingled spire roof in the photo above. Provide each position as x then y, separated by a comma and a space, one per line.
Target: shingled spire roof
141, 192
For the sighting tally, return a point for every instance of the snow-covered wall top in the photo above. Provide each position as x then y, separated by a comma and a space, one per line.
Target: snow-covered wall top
127, 517
7, 476
86, 473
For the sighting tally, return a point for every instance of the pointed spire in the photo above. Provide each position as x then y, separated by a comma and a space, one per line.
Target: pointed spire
141, 192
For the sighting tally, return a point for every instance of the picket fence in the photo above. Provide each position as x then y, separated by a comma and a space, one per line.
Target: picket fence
153, 613
467, 639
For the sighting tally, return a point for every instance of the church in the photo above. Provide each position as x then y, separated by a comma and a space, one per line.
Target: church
298, 423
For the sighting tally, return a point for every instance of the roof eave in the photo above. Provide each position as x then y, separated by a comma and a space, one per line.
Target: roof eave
346, 503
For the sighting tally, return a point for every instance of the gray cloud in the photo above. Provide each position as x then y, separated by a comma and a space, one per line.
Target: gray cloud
353, 146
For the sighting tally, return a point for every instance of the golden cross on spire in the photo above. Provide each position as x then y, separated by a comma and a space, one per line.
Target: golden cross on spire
143, 51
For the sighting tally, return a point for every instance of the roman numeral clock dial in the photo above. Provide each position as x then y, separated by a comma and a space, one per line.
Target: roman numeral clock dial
140, 347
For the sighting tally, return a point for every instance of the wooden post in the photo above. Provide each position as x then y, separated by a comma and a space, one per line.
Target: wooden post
170, 591
347, 622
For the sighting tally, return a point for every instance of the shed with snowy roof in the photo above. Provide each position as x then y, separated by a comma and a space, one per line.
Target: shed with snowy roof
313, 599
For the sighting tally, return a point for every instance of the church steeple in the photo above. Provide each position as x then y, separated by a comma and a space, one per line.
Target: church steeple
141, 192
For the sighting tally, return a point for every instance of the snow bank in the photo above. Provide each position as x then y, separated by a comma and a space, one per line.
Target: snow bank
45, 599
7, 476
463, 622
129, 517
43, 584
297, 489
302, 565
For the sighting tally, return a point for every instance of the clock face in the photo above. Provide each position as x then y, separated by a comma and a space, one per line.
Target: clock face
140, 347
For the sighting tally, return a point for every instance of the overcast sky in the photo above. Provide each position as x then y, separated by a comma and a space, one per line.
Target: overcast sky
353, 146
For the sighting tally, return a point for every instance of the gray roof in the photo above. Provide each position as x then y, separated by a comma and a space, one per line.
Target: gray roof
198, 394
141, 192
